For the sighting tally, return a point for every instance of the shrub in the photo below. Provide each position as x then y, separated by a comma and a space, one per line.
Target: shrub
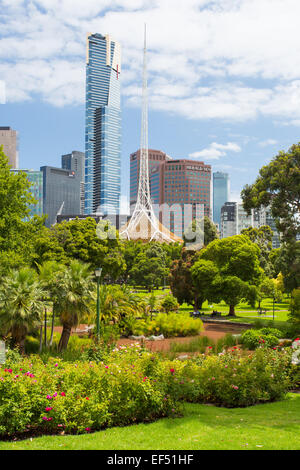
133, 385
232, 379
169, 325
32, 345
252, 339
170, 304
76, 397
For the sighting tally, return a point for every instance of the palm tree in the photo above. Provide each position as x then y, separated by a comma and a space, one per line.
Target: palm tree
21, 307
51, 274
74, 298
116, 303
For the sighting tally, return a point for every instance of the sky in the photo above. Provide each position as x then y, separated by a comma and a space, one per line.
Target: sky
224, 78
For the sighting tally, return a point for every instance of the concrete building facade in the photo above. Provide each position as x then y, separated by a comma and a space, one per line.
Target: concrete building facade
9, 141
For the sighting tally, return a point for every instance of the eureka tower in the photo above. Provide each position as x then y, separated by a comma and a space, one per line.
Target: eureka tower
103, 126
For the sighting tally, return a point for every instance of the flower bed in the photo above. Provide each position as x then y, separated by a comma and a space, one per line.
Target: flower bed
132, 385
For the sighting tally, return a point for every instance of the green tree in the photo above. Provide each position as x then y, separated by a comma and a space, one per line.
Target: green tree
169, 304
278, 186
288, 263
295, 306
77, 289
204, 230
235, 257
86, 241
51, 274
181, 281
16, 233
206, 278
21, 305
150, 268
233, 290
263, 238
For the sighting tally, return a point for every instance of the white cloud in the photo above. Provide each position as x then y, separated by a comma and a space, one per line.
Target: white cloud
215, 151
267, 142
231, 60
2, 92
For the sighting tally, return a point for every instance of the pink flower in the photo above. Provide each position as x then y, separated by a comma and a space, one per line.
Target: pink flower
87, 429
55, 394
48, 408
49, 397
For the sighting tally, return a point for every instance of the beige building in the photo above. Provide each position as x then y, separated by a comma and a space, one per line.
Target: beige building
9, 141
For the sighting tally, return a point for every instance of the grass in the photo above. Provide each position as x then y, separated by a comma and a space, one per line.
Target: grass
243, 310
272, 426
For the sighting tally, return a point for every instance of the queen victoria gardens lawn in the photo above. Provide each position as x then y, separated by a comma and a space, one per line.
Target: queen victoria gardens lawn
271, 426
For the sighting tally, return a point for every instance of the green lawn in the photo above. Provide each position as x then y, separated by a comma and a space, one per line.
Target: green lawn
273, 426
242, 310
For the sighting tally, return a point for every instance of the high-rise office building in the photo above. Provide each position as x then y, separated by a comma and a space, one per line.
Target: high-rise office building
9, 141
75, 161
221, 190
61, 192
156, 158
186, 183
103, 125
35, 177
174, 182
234, 219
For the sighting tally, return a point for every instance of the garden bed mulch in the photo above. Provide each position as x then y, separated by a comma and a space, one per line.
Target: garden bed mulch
212, 330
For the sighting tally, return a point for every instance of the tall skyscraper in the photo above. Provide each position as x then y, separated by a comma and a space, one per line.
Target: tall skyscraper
103, 125
36, 179
221, 190
9, 140
75, 161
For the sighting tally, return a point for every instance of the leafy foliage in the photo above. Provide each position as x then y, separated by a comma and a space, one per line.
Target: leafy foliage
278, 186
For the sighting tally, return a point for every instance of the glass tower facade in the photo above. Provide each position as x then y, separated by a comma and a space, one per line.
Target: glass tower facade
103, 126
36, 180
221, 194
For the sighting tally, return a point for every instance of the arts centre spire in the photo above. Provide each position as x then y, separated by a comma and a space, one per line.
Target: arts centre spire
143, 224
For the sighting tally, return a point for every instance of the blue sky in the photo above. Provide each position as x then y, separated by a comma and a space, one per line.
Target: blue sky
224, 78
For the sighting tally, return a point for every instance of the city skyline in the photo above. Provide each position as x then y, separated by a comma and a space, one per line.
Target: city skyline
212, 97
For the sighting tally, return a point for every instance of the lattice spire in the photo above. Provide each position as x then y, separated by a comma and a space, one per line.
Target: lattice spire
143, 223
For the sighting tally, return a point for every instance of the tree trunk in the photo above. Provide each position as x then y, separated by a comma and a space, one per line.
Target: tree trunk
231, 311
52, 326
41, 337
65, 336
197, 303
22, 346
45, 329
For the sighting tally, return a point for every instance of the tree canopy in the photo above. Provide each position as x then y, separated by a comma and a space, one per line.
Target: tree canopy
278, 186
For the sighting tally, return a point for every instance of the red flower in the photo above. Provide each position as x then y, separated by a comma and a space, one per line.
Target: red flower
63, 394
172, 371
